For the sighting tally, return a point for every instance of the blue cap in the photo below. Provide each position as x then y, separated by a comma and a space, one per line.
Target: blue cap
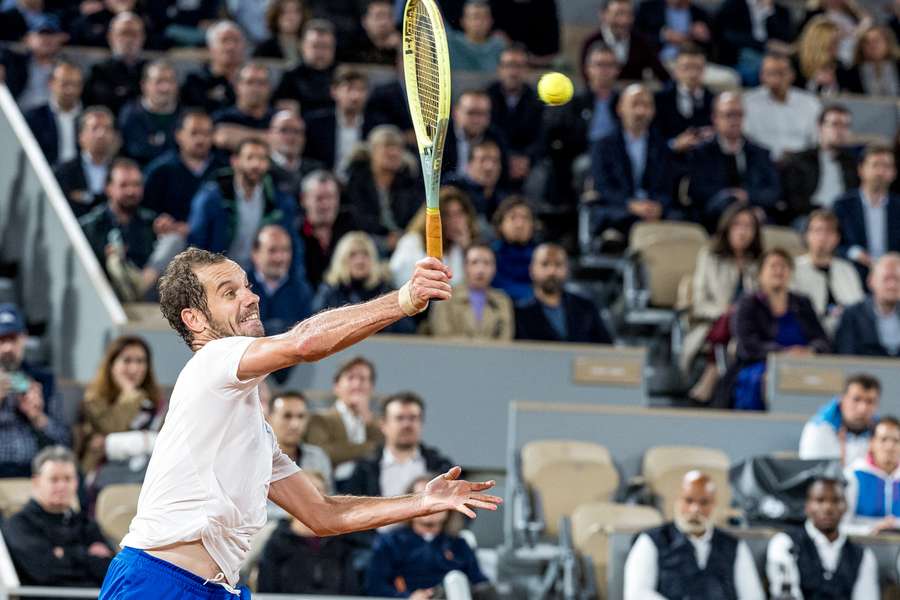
45, 24
11, 319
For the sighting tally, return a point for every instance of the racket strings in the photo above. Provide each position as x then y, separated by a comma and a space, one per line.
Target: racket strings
427, 72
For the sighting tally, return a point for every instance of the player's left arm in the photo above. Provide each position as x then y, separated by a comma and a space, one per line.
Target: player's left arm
331, 331
333, 515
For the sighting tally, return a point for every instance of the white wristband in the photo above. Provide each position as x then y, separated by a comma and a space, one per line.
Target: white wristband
406, 303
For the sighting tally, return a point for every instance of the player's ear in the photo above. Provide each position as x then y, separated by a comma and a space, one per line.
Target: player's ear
194, 319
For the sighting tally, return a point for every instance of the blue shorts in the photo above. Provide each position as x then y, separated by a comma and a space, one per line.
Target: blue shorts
135, 575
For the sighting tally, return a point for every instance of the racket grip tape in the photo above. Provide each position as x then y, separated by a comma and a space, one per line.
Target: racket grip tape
434, 243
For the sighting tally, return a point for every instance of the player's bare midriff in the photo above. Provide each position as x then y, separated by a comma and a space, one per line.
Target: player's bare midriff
190, 556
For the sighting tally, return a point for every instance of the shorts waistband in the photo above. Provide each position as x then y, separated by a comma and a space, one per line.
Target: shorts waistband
193, 582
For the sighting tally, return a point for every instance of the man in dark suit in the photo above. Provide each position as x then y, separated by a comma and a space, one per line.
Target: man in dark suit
870, 215
309, 83
737, 42
517, 112
807, 185
333, 133
553, 314
387, 106
673, 23
471, 123
55, 124
212, 87
729, 168
632, 167
635, 53
148, 122
27, 73
482, 178
403, 458
872, 327
570, 130
287, 140
117, 79
83, 178
684, 106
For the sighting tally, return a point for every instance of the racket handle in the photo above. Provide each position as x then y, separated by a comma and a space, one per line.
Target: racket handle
434, 243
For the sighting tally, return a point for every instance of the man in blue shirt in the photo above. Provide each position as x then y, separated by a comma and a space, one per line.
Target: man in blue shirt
284, 300
148, 122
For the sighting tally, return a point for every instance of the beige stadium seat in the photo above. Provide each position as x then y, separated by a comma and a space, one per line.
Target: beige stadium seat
774, 236
566, 474
664, 468
668, 252
14, 494
592, 524
116, 507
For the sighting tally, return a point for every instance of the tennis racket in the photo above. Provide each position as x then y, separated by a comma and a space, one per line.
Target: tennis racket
426, 68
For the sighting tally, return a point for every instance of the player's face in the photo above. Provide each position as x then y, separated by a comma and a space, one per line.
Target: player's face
289, 418
858, 406
825, 505
233, 307
354, 388
480, 268
55, 486
402, 425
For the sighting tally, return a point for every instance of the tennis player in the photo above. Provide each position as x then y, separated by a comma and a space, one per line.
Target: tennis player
216, 460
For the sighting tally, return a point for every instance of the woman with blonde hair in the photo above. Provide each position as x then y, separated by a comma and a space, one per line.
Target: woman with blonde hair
849, 17
876, 61
285, 20
460, 228
383, 191
355, 275
122, 409
820, 70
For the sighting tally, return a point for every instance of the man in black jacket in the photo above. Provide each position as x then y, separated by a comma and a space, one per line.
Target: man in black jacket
50, 543
55, 124
117, 80
553, 314
818, 176
83, 178
310, 82
392, 468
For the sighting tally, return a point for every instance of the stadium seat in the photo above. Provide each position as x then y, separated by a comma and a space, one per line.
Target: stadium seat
14, 494
659, 256
774, 236
116, 507
592, 524
664, 468
564, 474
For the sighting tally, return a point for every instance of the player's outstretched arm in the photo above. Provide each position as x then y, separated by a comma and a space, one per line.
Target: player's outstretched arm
333, 515
331, 331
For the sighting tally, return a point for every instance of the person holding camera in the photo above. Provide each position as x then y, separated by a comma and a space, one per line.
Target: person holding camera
25, 425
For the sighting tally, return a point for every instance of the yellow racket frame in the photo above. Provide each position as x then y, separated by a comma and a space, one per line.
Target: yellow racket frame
426, 69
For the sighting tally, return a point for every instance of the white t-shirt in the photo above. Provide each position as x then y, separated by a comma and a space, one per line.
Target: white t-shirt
214, 459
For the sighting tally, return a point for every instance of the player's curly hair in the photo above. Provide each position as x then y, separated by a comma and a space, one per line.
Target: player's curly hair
180, 288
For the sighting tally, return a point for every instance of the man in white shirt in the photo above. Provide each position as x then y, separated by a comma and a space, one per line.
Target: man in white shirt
216, 460
778, 116
334, 133
873, 501
691, 558
842, 429
817, 560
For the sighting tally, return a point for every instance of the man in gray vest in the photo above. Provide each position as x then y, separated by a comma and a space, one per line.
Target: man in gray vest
817, 561
691, 559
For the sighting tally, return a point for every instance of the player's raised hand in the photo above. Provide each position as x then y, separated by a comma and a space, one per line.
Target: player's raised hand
430, 281
448, 492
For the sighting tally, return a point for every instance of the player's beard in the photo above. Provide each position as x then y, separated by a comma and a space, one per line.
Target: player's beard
221, 330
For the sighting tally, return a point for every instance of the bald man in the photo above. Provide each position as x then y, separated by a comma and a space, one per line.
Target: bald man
553, 314
872, 327
631, 167
691, 559
730, 168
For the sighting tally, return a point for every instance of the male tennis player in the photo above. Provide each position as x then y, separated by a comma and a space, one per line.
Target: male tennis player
216, 460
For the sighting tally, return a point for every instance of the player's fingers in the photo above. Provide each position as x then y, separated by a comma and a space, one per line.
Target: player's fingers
429, 262
479, 486
439, 286
453, 473
481, 505
488, 498
466, 511
433, 274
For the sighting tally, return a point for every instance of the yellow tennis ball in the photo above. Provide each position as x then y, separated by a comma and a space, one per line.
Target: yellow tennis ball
555, 88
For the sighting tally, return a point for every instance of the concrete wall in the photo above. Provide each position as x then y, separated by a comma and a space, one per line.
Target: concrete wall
59, 280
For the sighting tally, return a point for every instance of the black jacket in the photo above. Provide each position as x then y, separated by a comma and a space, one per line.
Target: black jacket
291, 564
361, 198
451, 152
35, 538
42, 122
202, 89
521, 124
643, 54
534, 23
321, 137
651, 18
582, 322
310, 87
16, 66
851, 216
113, 83
857, 332
387, 106
734, 29
366, 477
670, 121
800, 173
754, 327
73, 183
